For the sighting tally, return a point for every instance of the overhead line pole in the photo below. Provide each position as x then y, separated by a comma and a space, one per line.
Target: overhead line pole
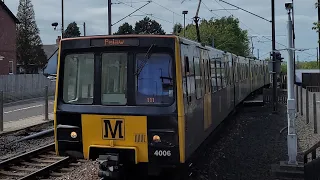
62, 19
196, 20
291, 109
293, 43
109, 17
319, 31
274, 74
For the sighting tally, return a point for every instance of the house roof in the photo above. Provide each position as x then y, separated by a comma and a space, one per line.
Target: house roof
49, 49
9, 12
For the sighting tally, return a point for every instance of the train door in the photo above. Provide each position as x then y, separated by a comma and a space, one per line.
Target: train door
207, 89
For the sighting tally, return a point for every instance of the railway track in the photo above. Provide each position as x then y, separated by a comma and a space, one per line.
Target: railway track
37, 164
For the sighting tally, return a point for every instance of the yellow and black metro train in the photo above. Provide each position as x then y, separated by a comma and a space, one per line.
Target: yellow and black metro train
145, 99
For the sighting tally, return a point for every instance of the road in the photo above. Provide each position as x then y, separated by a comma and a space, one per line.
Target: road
21, 110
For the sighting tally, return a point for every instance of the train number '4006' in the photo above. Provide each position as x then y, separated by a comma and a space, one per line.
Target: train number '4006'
162, 153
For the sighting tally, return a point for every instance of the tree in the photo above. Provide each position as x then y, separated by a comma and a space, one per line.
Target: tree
177, 28
148, 26
72, 31
29, 44
225, 33
125, 28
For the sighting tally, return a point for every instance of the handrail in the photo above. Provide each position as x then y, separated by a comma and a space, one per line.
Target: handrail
312, 150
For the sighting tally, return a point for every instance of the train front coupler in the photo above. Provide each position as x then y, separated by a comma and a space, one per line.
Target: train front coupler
109, 167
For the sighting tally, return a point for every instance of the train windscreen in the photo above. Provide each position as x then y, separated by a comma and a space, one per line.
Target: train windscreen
153, 83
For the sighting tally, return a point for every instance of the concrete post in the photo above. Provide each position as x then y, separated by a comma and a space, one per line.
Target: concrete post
315, 123
46, 107
1, 111
301, 105
292, 137
307, 105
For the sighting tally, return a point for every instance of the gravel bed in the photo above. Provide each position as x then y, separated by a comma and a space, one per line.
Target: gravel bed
247, 147
86, 171
245, 150
8, 150
306, 136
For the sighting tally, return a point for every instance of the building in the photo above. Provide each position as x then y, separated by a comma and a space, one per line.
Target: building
51, 66
50, 50
307, 77
8, 50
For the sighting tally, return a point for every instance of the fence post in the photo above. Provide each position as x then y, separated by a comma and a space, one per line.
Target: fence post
315, 123
297, 98
301, 105
46, 99
307, 105
1, 111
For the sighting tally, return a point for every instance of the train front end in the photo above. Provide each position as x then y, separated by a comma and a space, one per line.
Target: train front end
117, 101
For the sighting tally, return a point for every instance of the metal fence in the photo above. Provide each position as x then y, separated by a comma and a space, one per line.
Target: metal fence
24, 86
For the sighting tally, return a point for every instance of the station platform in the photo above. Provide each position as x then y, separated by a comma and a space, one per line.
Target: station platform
13, 126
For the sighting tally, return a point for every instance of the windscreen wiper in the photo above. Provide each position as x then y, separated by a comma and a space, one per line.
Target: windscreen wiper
144, 62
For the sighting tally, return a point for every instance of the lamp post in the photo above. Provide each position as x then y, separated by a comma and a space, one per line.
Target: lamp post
55, 24
184, 22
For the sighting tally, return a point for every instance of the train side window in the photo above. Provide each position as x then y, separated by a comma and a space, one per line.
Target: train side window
223, 75
230, 72
197, 76
218, 70
191, 80
240, 71
213, 75
187, 80
235, 71
186, 65
203, 73
209, 75
226, 73
247, 71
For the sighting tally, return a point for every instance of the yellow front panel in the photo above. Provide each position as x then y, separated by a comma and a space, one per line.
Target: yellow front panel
115, 131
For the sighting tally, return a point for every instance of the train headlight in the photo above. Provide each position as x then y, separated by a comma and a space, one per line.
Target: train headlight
156, 138
73, 135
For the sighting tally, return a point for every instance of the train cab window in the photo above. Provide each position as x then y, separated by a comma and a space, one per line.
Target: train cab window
78, 78
114, 79
155, 81
197, 75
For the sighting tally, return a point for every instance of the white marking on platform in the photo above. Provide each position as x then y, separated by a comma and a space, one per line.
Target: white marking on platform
25, 108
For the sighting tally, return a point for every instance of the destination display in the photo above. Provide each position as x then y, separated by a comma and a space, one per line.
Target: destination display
115, 42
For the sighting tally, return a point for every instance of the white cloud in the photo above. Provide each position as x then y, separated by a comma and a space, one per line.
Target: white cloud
95, 14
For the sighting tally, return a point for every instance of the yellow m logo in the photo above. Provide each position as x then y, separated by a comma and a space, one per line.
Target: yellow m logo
113, 129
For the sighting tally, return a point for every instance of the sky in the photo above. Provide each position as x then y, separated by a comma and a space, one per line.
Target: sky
168, 12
